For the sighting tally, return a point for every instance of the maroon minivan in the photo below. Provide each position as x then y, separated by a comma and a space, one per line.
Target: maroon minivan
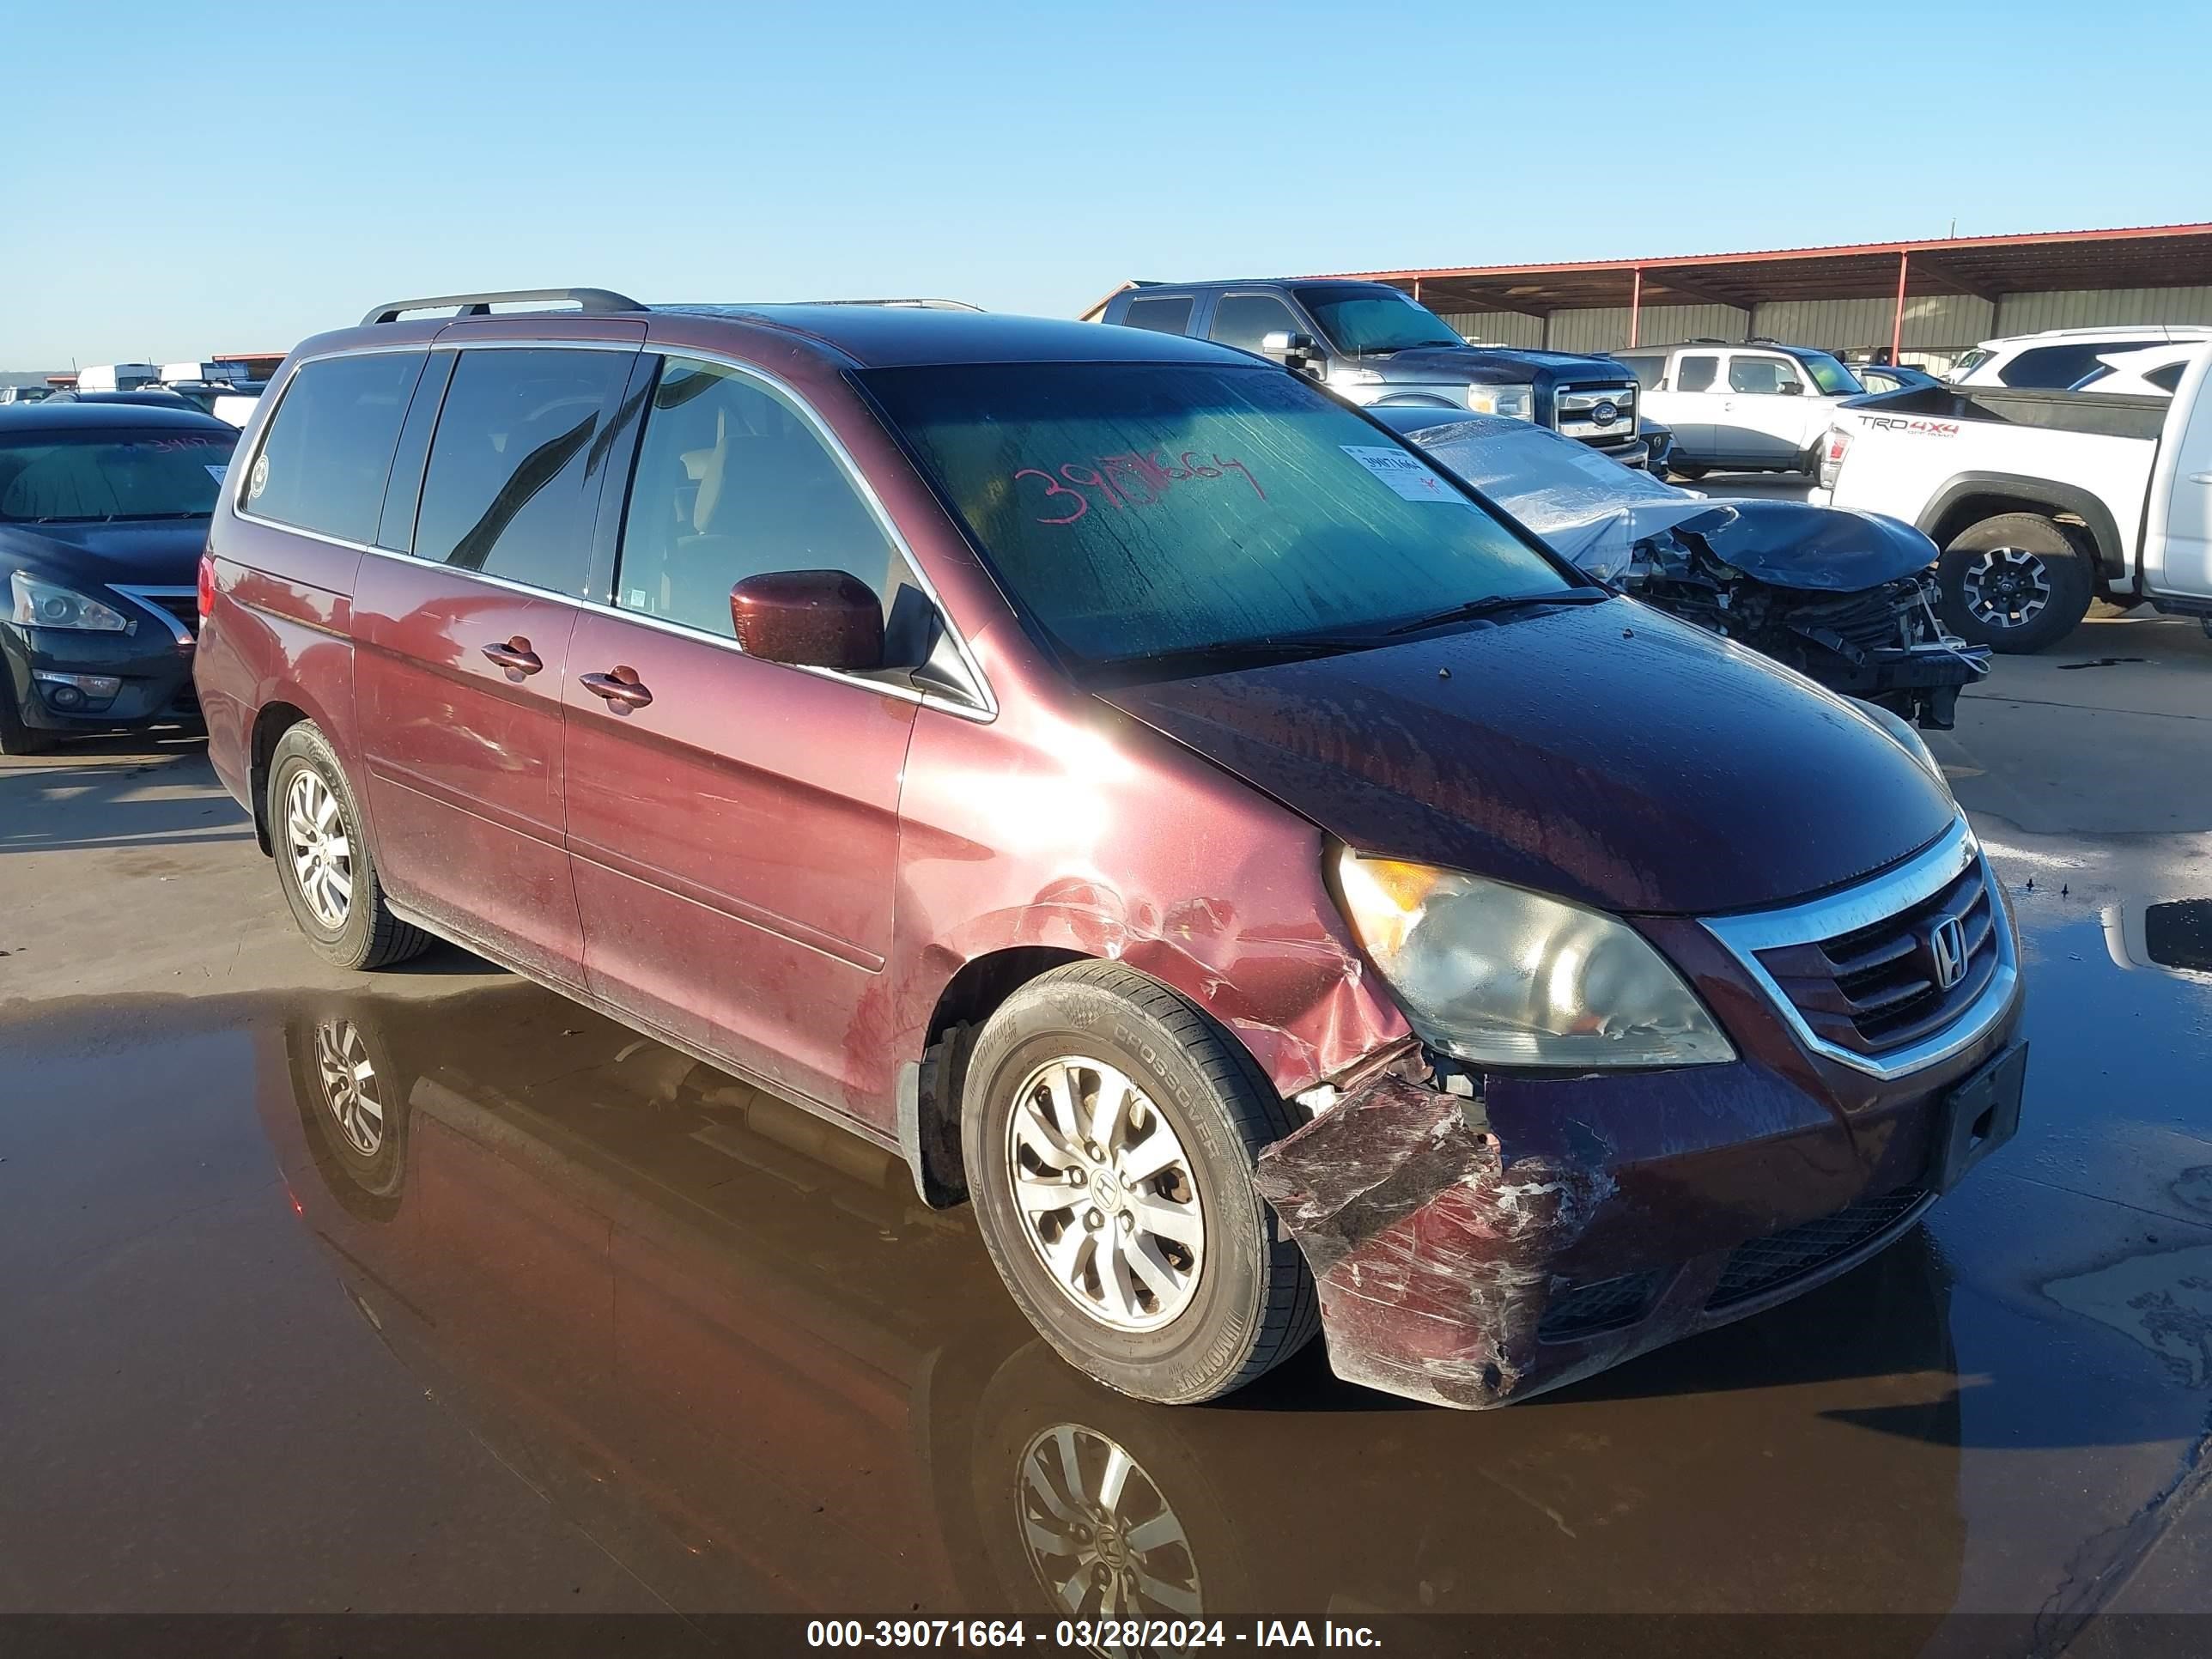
1135, 787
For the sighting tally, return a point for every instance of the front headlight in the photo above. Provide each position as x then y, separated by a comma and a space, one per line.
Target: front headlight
43, 604
1504, 977
1515, 402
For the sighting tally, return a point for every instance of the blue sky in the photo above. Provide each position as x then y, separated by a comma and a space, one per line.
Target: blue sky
1026, 157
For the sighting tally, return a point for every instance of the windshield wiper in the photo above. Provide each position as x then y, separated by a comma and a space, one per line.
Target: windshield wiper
1493, 604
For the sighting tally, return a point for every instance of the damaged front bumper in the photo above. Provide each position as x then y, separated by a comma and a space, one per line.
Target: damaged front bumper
1474, 1250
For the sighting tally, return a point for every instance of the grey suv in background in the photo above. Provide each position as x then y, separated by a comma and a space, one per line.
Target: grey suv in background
1372, 344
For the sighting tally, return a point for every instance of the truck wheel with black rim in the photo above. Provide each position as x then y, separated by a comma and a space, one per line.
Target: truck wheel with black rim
1108, 1128
2016, 582
15, 738
323, 861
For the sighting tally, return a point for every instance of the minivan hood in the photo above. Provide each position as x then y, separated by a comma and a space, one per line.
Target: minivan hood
149, 553
1604, 753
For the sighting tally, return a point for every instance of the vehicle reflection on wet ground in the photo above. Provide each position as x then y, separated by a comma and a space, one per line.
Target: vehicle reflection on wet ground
477, 1301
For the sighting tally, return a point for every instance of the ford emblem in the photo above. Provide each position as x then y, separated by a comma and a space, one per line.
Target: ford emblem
1604, 413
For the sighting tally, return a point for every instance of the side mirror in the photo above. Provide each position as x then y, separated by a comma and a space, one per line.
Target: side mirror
1791, 388
1282, 343
810, 619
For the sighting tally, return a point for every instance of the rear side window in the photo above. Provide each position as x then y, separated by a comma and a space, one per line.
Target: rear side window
1695, 373
514, 479
2057, 365
2168, 378
323, 463
1243, 321
1162, 314
732, 482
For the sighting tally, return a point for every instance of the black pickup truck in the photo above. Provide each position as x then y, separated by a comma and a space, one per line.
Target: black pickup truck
1375, 344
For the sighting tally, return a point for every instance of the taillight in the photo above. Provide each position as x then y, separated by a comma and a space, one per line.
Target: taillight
1831, 458
207, 584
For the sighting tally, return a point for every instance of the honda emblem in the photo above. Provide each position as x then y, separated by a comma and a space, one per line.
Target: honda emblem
1947, 951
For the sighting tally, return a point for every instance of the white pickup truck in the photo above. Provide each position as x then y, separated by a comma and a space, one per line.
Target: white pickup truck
2041, 501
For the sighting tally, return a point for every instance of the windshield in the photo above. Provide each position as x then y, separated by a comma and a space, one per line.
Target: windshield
1139, 511
1830, 375
80, 478
1364, 322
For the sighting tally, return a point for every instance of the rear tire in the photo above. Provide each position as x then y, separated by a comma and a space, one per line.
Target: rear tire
323, 861
1163, 1275
15, 738
2016, 582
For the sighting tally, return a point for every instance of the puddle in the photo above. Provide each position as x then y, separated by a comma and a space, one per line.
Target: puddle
489, 1288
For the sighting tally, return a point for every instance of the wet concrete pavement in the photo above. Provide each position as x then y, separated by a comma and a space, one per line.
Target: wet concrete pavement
430, 1291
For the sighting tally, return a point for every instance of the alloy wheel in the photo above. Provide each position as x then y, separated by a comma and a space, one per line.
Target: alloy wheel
2006, 587
1106, 1194
350, 1089
1100, 1536
321, 855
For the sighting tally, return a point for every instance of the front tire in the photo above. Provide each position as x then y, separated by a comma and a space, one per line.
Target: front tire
1108, 1129
2016, 582
323, 861
1689, 473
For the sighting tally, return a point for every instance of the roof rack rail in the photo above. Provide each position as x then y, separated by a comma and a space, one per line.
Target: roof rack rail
909, 305
480, 305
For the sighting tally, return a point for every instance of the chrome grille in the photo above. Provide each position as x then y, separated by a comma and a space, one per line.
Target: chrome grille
1864, 976
1577, 408
1878, 988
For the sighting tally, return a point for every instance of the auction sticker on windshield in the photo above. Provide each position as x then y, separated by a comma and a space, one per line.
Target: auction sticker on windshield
1404, 473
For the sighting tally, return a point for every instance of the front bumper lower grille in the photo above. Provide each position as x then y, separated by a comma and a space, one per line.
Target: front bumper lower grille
1761, 1265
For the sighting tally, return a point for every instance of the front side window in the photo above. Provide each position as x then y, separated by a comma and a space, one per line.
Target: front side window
1650, 367
1695, 373
1365, 322
1137, 511
732, 482
1829, 374
1167, 313
324, 465
91, 477
513, 483
1762, 376
1243, 321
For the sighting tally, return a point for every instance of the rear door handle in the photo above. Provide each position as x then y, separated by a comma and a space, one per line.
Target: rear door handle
618, 690
2200, 478
515, 656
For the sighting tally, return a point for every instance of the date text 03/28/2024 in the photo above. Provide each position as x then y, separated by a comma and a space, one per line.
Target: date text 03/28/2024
1087, 1635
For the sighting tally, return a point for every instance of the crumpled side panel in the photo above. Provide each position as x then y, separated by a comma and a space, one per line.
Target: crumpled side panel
1432, 1252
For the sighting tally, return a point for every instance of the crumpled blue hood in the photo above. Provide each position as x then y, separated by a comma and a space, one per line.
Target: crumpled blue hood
1822, 550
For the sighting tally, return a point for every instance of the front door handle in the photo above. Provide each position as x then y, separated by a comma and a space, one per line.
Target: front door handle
2200, 478
618, 690
515, 656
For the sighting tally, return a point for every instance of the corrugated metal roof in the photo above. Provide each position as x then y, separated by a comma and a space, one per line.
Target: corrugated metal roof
1984, 267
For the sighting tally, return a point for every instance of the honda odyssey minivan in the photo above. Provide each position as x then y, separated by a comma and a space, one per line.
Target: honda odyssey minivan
1134, 786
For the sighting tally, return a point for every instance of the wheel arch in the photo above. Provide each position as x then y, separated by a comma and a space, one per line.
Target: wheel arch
270, 722
929, 1089
1970, 497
